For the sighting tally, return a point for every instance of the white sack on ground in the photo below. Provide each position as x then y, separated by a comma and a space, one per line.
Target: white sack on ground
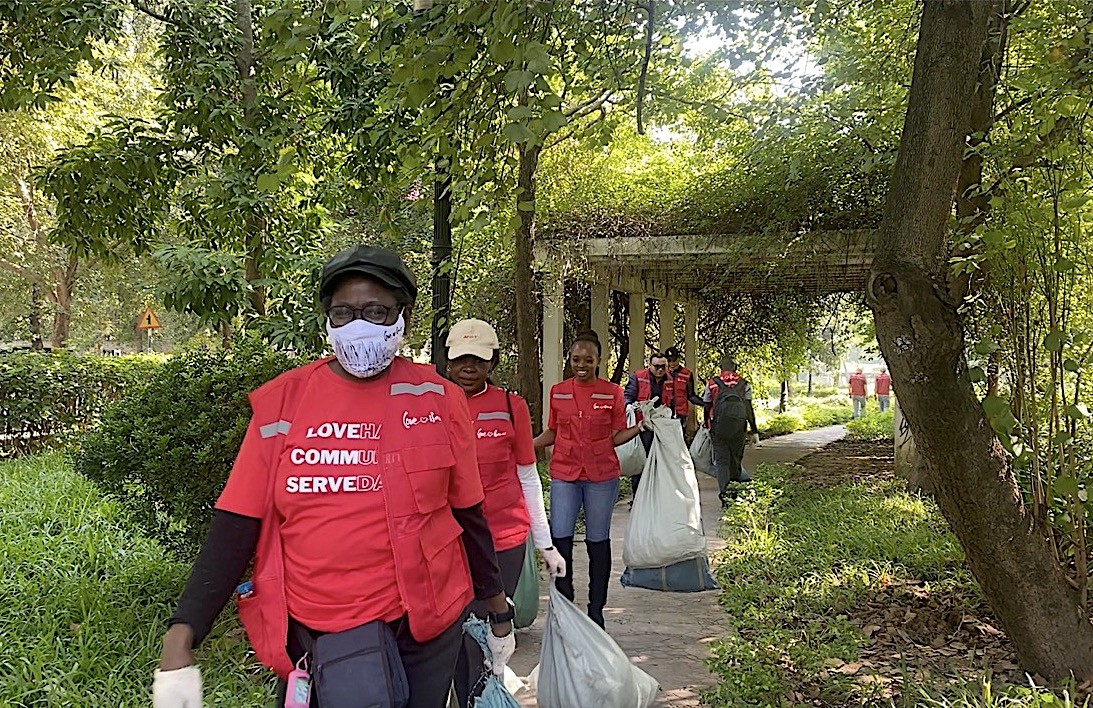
580, 666
666, 521
631, 454
702, 452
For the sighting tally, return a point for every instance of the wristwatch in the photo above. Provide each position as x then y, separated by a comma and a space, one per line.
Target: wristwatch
503, 617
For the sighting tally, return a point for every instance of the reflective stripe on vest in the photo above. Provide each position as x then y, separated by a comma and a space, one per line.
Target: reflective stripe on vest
281, 427
499, 415
417, 389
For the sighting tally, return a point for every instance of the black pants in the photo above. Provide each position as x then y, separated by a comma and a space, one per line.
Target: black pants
429, 666
727, 441
469, 667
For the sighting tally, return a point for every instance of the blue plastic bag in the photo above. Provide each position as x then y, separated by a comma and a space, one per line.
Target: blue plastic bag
494, 693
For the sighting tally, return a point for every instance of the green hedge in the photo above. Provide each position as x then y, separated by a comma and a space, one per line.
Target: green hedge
783, 424
165, 452
817, 415
872, 427
46, 396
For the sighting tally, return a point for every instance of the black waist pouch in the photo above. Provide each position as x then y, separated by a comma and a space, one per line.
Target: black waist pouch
359, 668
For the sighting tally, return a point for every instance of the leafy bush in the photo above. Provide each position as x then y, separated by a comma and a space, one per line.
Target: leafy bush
823, 391
87, 600
872, 427
817, 415
165, 451
783, 424
45, 396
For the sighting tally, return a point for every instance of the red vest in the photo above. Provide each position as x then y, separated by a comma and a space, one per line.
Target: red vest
505, 508
584, 440
430, 563
674, 393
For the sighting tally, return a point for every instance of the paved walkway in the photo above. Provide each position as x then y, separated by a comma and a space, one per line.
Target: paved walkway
667, 634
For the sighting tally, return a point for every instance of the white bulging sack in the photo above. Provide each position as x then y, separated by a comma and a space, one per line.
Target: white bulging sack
581, 666
631, 454
702, 452
666, 521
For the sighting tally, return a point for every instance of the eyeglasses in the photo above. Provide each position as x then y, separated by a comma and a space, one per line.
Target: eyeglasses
341, 315
659, 367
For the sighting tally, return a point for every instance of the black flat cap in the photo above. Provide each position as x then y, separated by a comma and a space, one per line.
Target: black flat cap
381, 263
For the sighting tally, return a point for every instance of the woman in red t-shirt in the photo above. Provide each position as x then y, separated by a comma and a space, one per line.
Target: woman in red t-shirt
587, 421
510, 479
357, 494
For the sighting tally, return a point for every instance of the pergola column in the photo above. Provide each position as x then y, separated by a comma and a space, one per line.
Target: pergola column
637, 330
667, 324
690, 351
553, 331
601, 313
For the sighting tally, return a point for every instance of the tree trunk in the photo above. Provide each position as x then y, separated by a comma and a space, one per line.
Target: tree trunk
921, 336
783, 398
36, 317
442, 275
64, 282
528, 365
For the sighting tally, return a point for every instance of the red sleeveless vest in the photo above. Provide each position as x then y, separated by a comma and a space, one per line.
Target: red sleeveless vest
674, 392
584, 440
505, 508
430, 563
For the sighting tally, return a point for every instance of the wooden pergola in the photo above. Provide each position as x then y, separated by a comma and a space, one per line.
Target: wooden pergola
689, 269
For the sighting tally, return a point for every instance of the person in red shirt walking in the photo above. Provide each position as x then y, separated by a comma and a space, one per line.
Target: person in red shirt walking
357, 494
587, 421
510, 479
883, 388
858, 392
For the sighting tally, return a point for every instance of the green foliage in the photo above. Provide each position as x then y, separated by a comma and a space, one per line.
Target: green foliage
783, 424
874, 426
94, 596
165, 452
984, 695
797, 557
45, 397
821, 415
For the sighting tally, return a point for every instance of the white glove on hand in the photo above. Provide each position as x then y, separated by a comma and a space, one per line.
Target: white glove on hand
555, 564
180, 688
501, 650
754, 439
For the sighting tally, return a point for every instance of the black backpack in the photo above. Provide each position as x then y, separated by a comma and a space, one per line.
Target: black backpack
730, 405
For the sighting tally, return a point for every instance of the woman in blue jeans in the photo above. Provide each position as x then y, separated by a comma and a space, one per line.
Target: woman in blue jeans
587, 420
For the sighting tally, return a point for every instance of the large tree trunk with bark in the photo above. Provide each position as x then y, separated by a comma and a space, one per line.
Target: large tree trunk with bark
528, 365
921, 335
64, 282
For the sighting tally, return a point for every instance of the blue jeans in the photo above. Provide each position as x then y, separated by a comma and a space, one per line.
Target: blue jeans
882, 403
859, 406
598, 500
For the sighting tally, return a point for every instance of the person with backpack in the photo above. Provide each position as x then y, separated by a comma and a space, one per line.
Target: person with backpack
510, 480
729, 413
357, 494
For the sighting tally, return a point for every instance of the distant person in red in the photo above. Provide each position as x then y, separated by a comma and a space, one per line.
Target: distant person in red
858, 392
356, 492
506, 460
884, 389
587, 421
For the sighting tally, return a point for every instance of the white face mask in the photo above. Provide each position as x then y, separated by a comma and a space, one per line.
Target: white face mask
365, 349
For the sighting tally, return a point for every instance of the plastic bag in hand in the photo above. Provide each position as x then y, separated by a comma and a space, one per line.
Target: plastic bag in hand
580, 665
494, 693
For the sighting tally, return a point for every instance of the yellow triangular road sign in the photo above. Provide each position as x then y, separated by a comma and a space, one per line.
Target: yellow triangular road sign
148, 320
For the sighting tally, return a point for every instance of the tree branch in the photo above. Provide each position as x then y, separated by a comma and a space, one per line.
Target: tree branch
649, 27
590, 106
152, 13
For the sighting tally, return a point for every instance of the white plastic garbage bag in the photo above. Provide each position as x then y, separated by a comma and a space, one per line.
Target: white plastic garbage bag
632, 453
702, 452
581, 666
666, 521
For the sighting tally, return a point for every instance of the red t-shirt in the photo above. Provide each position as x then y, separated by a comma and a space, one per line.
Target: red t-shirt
884, 384
339, 566
491, 400
857, 385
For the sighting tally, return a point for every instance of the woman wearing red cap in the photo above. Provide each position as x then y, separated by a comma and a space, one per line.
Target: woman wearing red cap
506, 459
357, 495
587, 421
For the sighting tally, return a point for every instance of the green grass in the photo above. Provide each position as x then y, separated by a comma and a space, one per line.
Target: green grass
796, 559
874, 426
84, 600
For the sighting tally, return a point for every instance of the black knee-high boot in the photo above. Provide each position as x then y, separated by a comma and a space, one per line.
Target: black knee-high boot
599, 576
564, 583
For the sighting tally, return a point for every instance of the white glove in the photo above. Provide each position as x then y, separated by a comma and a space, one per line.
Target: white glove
501, 650
754, 439
180, 688
555, 564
